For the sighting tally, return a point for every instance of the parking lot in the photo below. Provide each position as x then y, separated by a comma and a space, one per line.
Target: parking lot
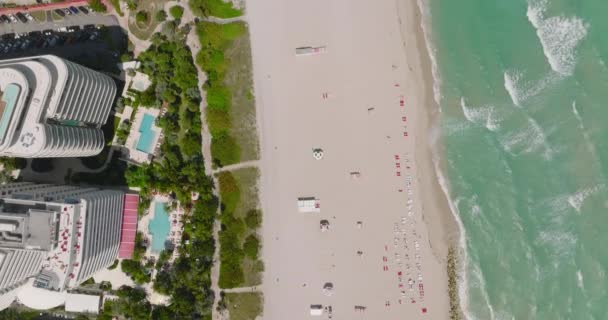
79, 19
24, 38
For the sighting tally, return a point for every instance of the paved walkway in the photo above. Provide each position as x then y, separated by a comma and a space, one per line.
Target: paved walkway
224, 21
236, 166
193, 42
243, 290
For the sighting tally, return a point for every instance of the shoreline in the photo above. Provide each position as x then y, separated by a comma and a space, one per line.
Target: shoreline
429, 157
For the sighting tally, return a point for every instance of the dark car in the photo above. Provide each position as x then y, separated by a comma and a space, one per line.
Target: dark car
73, 28
73, 10
83, 10
21, 17
60, 12
5, 18
89, 27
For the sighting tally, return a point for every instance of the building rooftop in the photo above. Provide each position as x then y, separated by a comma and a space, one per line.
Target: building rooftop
32, 229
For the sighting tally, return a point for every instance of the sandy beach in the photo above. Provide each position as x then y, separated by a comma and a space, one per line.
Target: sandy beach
367, 102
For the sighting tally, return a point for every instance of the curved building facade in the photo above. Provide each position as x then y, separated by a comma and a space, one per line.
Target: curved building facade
50, 107
54, 237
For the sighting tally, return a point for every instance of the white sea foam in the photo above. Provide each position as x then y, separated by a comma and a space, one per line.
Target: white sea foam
527, 140
520, 90
485, 116
511, 79
463, 293
481, 285
576, 200
559, 36
425, 13
579, 280
581, 126
561, 243
454, 126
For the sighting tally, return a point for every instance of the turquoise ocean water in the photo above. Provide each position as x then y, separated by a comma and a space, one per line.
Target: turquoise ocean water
524, 122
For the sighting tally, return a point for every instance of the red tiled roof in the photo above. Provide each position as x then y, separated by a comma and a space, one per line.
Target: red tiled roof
129, 226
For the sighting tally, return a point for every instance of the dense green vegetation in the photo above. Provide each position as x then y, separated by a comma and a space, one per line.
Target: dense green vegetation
12, 314
134, 269
114, 265
239, 244
98, 6
142, 18
215, 40
214, 8
115, 4
131, 304
176, 12
179, 171
10, 164
160, 16
123, 132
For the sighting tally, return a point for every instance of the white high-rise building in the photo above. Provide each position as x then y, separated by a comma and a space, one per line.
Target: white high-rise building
53, 238
50, 107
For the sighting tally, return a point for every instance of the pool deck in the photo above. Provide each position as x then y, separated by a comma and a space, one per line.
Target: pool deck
132, 153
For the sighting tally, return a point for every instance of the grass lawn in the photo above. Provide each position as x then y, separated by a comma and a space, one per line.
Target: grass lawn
55, 16
39, 16
116, 5
247, 180
243, 114
253, 272
244, 306
151, 7
215, 8
116, 123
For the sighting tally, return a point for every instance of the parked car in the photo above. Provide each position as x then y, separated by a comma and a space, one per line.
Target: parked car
21, 17
28, 16
67, 11
5, 18
12, 18
60, 12
73, 10
83, 10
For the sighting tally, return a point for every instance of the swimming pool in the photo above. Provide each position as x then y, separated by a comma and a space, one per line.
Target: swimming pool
9, 99
146, 138
159, 227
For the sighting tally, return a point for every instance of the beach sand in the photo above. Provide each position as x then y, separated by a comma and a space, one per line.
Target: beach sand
375, 54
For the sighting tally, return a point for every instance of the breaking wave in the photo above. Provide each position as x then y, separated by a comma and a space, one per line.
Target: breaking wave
485, 116
520, 90
559, 36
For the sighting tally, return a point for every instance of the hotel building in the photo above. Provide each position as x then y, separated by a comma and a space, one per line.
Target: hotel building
52, 238
50, 107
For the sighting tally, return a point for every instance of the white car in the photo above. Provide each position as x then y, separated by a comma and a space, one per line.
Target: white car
28, 16
13, 18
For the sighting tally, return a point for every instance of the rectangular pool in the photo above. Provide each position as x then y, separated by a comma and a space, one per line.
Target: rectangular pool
147, 136
159, 227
